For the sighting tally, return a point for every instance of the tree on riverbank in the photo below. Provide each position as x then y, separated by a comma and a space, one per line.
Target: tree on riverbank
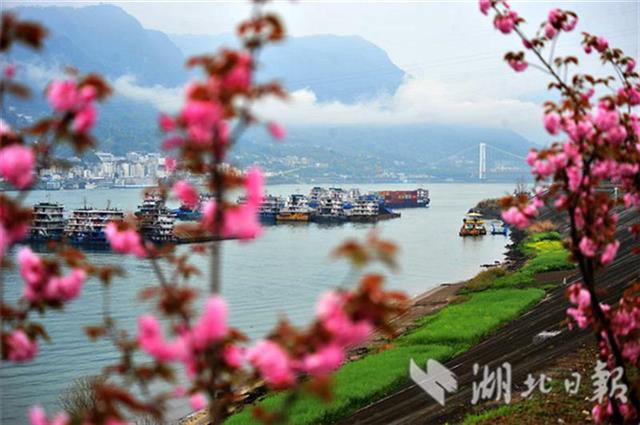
218, 109
601, 146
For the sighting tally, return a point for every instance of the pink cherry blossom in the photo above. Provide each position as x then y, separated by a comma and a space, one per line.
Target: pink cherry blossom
631, 64
515, 217
552, 122
569, 24
631, 351
588, 247
550, 31
17, 164
63, 95
239, 77
166, 123
485, 5
31, 266
601, 44
65, 288
198, 401
272, 362
85, 119
578, 316
600, 413
323, 361
212, 325
606, 118
532, 156
233, 355
254, 183
505, 23
200, 118
187, 194
20, 347
37, 416
518, 65
277, 131
151, 340
124, 241
345, 332
609, 252
242, 222
616, 135
574, 175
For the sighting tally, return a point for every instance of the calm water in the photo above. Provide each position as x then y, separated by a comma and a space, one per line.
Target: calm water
283, 272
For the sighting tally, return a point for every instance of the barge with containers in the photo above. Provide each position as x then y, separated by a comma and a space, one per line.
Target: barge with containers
418, 198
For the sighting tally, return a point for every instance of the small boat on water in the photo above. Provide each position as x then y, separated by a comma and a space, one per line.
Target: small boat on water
47, 222
472, 225
499, 227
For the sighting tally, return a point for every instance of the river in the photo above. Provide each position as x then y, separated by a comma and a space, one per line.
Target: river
282, 272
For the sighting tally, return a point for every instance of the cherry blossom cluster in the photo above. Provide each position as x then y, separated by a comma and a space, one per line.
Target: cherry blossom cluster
598, 152
239, 221
344, 319
216, 357
45, 285
125, 239
625, 324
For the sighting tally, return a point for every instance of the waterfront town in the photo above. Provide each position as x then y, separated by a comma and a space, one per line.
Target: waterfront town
106, 171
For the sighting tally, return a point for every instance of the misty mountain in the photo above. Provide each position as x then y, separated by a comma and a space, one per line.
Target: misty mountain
344, 68
106, 39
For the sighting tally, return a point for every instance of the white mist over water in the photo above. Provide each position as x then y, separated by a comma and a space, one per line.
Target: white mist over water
281, 273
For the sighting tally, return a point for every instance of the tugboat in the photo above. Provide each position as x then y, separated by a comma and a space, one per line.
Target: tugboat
86, 226
155, 221
472, 225
295, 209
47, 223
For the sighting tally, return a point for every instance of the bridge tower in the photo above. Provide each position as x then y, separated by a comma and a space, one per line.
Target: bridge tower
482, 162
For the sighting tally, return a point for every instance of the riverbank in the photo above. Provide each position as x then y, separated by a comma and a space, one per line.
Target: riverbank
442, 324
529, 343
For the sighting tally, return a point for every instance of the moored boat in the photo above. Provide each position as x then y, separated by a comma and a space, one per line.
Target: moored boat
155, 221
418, 198
472, 225
47, 223
86, 225
295, 209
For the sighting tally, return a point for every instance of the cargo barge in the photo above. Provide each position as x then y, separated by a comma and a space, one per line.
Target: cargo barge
418, 198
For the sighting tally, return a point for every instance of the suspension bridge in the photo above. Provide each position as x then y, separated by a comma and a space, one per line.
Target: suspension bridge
502, 161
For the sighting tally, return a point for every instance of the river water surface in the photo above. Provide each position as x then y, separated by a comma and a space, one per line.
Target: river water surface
282, 272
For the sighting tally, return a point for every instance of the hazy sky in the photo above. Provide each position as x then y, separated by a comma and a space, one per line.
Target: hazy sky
451, 50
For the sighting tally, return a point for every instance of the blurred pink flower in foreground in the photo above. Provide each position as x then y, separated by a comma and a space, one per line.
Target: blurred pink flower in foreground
17, 164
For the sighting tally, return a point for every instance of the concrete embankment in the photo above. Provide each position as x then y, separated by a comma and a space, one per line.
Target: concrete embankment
517, 343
